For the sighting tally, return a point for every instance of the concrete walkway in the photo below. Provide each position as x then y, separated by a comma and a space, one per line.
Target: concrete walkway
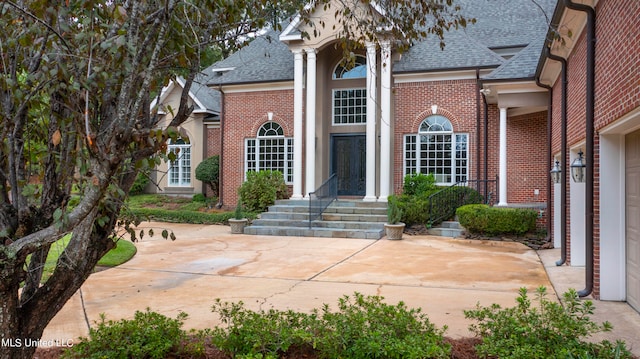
441, 275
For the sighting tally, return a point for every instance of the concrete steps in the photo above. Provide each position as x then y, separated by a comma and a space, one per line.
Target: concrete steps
342, 219
448, 229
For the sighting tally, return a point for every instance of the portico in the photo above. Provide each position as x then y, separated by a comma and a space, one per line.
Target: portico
337, 101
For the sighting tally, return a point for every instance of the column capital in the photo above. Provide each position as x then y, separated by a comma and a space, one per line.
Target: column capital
311, 51
297, 52
371, 46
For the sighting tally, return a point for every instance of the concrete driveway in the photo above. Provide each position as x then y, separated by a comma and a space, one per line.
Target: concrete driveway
441, 275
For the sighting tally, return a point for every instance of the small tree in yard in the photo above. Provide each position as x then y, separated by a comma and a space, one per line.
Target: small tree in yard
77, 78
208, 171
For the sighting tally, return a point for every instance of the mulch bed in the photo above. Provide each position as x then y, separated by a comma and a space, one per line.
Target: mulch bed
530, 240
462, 348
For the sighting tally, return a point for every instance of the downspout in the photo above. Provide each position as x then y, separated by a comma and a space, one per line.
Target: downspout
590, 109
221, 157
565, 168
478, 127
549, 161
486, 145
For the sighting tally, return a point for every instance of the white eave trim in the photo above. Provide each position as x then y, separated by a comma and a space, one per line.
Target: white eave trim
437, 76
258, 87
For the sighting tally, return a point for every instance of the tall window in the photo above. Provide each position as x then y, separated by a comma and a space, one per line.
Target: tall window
180, 168
270, 151
437, 149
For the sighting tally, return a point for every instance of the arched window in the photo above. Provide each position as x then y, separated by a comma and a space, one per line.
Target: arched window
270, 150
437, 149
355, 70
180, 168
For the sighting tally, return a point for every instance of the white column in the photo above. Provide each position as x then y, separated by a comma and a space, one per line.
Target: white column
311, 121
371, 123
385, 121
298, 78
502, 200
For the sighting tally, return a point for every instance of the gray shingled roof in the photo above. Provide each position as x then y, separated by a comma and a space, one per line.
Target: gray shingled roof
265, 59
521, 66
209, 97
460, 51
500, 23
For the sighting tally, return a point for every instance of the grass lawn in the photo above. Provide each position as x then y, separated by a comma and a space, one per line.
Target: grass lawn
123, 251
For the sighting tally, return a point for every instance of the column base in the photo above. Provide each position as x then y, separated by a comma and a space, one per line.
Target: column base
296, 196
369, 199
382, 199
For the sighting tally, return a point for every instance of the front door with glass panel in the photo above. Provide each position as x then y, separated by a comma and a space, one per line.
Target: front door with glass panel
348, 163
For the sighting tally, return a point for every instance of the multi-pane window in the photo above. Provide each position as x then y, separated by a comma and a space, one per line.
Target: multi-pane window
270, 151
436, 149
180, 168
349, 106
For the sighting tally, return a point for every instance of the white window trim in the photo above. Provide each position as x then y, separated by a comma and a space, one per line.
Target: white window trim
288, 143
453, 154
333, 107
180, 166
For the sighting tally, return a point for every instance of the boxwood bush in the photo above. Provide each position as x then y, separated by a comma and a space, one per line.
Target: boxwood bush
483, 219
261, 189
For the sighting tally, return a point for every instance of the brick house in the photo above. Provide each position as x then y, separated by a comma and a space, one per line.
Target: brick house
487, 107
598, 225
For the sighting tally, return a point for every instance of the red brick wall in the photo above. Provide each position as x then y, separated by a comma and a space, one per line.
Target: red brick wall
617, 60
243, 114
527, 166
455, 99
617, 90
527, 158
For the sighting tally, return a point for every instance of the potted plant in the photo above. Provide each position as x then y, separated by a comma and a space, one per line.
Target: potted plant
394, 228
238, 222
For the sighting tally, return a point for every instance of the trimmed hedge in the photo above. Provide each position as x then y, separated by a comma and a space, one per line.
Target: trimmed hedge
483, 219
180, 216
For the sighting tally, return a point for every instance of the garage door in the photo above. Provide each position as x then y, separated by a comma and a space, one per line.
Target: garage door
633, 218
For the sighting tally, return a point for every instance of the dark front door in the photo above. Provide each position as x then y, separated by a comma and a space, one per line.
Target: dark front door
348, 163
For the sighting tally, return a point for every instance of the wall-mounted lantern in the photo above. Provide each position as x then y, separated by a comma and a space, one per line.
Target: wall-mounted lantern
578, 169
556, 172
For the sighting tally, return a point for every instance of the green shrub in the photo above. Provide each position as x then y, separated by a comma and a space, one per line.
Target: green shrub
394, 213
418, 183
365, 327
420, 209
483, 219
199, 198
250, 334
148, 335
181, 216
141, 182
548, 330
261, 189
208, 171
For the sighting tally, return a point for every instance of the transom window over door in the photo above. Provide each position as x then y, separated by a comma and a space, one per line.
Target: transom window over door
349, 106
180, 168
270, 151
437, 149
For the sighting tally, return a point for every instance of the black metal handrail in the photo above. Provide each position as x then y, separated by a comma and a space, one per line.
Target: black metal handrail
322, 197
442, 205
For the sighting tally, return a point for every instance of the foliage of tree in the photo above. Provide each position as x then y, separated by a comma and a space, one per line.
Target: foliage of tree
77, 78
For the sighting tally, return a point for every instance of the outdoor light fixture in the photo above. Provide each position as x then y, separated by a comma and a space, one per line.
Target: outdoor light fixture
578, 169
555, 172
